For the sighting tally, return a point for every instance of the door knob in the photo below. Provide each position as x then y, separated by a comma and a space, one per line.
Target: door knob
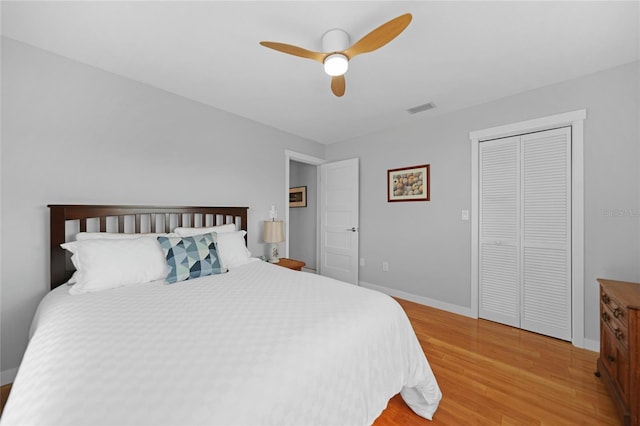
353, 229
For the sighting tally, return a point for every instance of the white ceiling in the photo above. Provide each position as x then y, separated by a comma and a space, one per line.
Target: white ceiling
454, 54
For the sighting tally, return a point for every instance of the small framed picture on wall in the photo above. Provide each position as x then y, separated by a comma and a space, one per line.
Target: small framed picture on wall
298, 196
408, 184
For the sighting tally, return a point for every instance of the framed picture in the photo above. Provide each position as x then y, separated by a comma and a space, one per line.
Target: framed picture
408, 184
298, 196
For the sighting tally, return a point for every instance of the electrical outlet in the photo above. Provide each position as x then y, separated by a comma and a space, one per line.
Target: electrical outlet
465, 215
362, 261
385, 266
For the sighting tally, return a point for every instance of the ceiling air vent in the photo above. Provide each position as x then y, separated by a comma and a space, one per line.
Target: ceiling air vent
420, 108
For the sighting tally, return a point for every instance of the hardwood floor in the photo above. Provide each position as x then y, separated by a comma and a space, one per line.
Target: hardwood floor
491, 374
4, 394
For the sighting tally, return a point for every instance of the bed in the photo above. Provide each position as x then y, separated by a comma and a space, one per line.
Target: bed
250, 343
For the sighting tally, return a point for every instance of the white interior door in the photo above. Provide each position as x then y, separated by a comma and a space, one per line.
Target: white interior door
499, 195
339, 214
546, 232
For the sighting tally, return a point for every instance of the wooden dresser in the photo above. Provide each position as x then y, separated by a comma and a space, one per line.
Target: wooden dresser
619, 361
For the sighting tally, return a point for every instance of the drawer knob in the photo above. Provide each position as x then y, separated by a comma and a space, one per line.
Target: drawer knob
605, 298
619, 334
605, 317
610, 358
617, 312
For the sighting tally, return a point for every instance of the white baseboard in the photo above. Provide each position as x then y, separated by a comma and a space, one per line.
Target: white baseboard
460, 310
7, 376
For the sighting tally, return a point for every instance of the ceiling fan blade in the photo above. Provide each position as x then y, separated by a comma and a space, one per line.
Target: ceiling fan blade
380, 36
294, 50
338, 85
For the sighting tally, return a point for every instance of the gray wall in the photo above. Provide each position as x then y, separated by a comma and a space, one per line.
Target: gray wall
75, 134
303, 220
428, 246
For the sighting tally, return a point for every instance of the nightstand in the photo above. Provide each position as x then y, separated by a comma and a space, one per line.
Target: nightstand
296, 265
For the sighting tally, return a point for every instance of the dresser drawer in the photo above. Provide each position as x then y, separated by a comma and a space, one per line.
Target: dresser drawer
616, 309
618, 328
615, 359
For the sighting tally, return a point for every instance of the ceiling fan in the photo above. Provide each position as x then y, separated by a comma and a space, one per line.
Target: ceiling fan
337, 52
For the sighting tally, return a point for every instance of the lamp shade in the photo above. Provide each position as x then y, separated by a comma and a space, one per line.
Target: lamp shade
273, 231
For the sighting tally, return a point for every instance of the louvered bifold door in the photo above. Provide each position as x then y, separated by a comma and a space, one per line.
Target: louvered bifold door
499, 217
546, 232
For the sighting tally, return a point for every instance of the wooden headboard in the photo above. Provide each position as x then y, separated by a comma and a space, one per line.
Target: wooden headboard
129, 219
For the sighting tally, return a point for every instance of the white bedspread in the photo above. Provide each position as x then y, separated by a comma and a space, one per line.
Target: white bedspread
260, 345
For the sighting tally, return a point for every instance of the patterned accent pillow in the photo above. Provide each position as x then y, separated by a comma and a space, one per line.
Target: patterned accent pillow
190, 257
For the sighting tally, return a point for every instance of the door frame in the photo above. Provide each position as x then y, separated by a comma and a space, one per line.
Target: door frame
307, 159
575, 119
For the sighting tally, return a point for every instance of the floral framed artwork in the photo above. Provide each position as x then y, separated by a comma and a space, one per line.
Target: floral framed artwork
298, 196
408, 184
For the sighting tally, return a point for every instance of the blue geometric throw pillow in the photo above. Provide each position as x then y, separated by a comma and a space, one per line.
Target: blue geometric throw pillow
190, 257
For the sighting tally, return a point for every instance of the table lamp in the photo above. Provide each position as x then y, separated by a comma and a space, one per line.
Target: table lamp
273, 234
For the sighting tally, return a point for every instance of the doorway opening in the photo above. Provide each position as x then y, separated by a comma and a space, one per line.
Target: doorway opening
301, 223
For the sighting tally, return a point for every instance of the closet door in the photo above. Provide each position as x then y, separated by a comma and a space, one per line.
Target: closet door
546, 232
499, 226
525, 231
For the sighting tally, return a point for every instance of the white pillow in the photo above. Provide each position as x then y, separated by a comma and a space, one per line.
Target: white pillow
83, 236
232, 248
192, 232
109, 263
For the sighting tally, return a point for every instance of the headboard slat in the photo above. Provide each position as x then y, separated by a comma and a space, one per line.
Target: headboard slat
61, 213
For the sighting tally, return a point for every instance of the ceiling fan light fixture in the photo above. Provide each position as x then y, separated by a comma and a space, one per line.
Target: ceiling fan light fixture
337, 49
336, 64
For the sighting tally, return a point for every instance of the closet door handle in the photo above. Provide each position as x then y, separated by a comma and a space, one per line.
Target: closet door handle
353, 229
